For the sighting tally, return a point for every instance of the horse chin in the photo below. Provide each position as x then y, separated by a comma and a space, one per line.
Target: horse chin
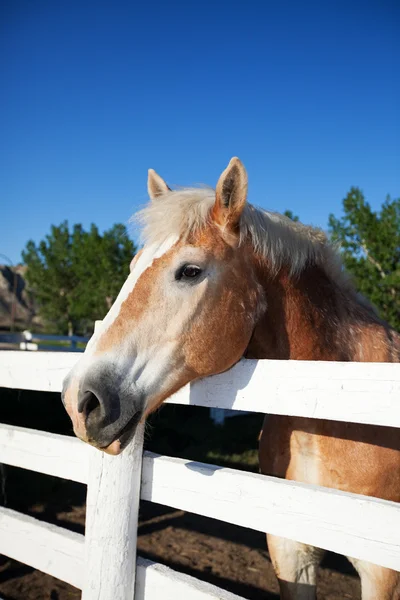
114, 448
123, 438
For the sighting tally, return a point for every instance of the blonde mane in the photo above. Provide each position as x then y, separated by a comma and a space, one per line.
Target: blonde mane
280, 240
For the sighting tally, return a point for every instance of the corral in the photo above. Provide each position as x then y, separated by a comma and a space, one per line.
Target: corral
101, 563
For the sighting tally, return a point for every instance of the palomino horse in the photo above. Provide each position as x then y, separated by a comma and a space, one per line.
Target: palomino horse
217, 280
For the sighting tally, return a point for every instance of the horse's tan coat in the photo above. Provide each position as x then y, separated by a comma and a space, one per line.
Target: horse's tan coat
248, 306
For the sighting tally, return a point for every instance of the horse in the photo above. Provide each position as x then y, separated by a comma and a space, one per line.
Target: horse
218, 279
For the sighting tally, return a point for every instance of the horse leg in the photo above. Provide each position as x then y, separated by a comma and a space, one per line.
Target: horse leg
377, 582
295, 566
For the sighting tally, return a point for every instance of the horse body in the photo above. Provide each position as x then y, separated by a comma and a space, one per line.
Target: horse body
218, 280
314, 318
355, 458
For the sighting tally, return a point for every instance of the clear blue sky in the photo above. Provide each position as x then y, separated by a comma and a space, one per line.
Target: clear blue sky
307, 94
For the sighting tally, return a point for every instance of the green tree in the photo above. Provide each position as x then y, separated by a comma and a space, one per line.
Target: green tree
76, 275
291, 215
370, 244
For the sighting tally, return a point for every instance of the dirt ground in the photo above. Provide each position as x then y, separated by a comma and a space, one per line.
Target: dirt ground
230, 557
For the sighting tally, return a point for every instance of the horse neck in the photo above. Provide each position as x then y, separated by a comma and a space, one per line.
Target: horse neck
313, 317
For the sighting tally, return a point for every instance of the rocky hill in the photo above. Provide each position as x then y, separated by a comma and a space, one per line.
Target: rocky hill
16, 301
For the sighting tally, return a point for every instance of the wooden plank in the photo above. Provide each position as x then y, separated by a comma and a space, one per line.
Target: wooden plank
49, 453
60, 553
353, 392
43, 371
153, 577
46, 547
361, 527
69, 458
112, 509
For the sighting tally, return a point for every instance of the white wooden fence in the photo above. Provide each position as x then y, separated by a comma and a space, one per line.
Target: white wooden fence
103, 562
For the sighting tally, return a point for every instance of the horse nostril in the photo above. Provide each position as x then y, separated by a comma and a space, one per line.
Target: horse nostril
88, 404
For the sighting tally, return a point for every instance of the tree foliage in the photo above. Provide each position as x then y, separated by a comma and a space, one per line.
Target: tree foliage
291, 215
370, 243
77, 274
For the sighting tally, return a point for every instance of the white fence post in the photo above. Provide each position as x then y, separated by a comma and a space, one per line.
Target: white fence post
111, 523
112, 513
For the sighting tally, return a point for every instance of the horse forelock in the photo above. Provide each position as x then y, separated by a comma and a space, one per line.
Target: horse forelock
275, 237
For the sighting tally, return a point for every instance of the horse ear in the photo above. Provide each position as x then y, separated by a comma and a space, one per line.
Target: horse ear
156, 185
230, 195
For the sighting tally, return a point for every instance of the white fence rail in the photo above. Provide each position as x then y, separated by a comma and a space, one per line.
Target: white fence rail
352, 392
362, 527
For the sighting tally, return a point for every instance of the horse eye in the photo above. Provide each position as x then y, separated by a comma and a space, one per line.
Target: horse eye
188, 272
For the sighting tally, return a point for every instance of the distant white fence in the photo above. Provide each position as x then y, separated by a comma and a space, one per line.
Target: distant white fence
26, 340
103, 562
